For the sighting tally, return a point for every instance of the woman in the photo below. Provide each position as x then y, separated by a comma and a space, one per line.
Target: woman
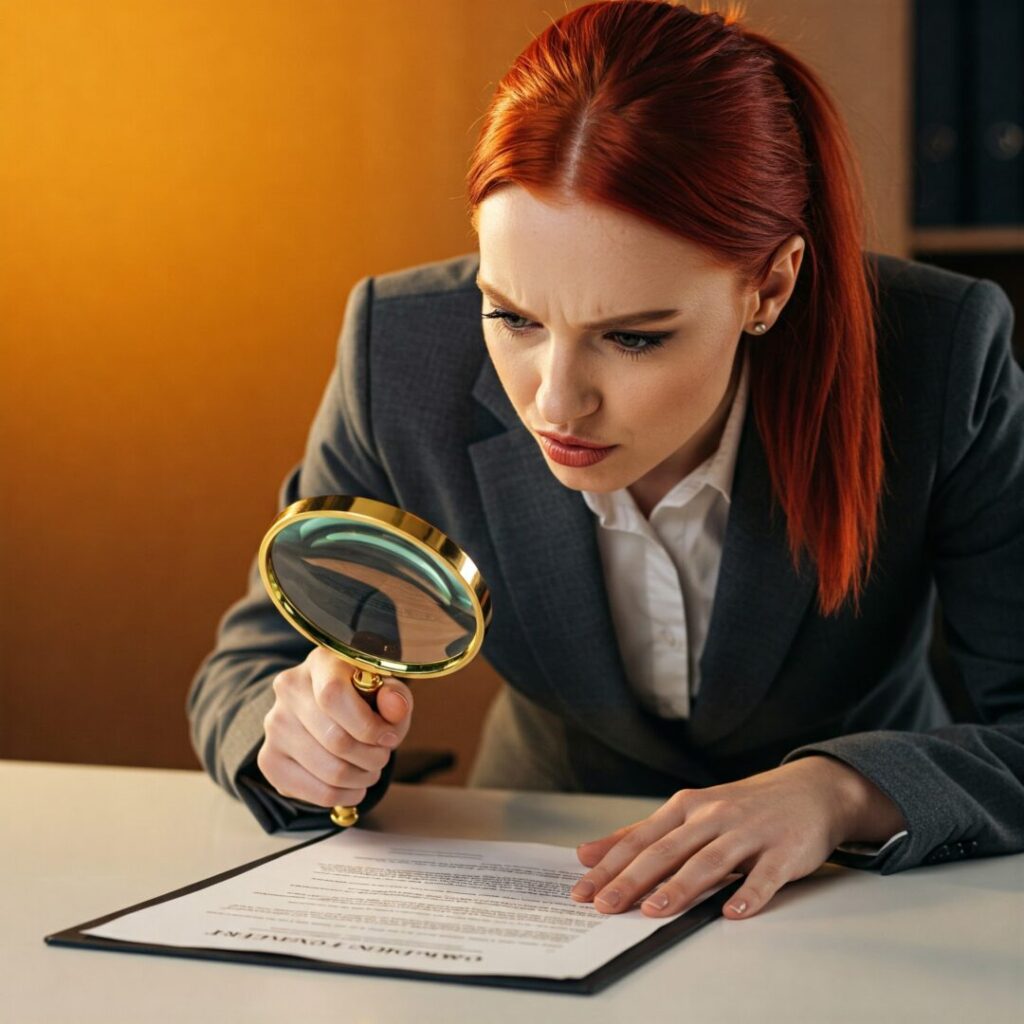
712, 459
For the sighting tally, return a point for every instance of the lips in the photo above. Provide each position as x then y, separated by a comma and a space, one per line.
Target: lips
576, 456
573, 442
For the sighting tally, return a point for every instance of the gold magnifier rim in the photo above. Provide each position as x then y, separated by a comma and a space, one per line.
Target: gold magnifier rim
440, 548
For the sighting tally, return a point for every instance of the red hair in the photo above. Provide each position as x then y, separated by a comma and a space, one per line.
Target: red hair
691, 122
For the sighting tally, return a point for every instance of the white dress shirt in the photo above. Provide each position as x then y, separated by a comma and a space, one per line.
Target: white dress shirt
661, 573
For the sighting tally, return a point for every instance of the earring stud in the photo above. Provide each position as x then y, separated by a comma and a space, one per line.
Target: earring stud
760, 327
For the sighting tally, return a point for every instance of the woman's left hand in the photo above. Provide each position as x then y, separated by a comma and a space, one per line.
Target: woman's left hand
773, 827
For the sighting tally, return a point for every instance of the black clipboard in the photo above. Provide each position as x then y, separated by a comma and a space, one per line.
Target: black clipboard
686, 924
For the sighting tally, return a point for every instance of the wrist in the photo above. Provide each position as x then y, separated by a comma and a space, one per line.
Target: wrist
863, 813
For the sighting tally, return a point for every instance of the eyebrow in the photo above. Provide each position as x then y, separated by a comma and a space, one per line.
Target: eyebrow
622, 320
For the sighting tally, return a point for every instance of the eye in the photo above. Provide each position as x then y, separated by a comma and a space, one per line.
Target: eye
637, 345
632, 346
502, 316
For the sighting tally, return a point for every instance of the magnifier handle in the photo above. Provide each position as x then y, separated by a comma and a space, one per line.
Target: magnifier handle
367, 685
369, 688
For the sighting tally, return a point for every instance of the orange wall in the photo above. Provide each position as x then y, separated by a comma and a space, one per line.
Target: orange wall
188, 189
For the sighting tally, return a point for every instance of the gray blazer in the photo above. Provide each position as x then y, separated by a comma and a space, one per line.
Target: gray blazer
415, 415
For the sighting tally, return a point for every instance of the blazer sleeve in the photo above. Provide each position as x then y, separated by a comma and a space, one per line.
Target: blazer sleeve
961, 787
231, 691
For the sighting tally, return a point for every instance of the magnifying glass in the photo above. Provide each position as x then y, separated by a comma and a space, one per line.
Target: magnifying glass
379, 587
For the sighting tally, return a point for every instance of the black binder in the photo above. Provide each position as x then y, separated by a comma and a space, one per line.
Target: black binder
994, 31
686, 924
968, 155
939, 122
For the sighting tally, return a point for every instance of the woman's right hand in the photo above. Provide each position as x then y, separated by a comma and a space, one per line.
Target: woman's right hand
323, 742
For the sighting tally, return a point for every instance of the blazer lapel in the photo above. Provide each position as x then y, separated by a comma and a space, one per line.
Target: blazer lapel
545, 542
760, 599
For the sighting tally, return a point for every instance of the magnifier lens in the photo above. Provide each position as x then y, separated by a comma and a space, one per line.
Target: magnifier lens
375, 591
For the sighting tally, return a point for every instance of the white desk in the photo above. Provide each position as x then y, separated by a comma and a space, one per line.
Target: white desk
934, 944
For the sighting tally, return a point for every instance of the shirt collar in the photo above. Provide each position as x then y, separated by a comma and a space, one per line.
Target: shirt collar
617, 509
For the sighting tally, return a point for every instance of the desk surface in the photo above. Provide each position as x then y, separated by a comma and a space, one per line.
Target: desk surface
943, 943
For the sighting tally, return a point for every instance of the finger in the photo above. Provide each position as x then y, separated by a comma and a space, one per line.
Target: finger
628, 847
590, 853
671, 813
335, 740
341, 701
704, 870
658, 862
293, 739
394, 705
290, 779
333, 771
769, 875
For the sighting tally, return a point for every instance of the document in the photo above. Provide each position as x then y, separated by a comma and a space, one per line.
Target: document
373, 899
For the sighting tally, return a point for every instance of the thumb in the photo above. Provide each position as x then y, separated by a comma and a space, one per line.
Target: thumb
394, 702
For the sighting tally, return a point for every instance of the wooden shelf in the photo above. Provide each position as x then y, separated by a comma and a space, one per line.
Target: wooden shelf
968, 239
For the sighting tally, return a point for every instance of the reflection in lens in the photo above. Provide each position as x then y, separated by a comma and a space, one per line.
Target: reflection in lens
370, 588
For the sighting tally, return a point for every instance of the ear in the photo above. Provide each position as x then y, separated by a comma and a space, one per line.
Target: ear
770, 299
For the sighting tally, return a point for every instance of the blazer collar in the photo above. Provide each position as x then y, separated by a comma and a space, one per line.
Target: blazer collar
760, 599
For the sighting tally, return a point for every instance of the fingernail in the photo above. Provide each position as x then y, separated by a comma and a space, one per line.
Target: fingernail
583, 889
610, 897
388, 739
738, 907
657, 901
402, 697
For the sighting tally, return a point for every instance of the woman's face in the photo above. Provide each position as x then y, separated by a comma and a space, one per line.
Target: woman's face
657, 388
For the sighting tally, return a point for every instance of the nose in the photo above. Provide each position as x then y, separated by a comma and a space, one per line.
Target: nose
564, 394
